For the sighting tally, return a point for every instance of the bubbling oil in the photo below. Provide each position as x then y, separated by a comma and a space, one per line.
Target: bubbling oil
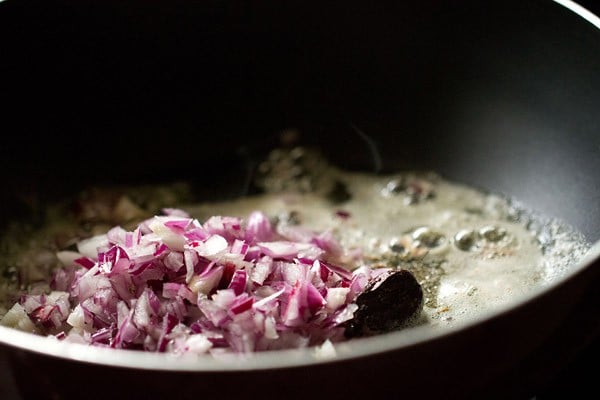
472, 251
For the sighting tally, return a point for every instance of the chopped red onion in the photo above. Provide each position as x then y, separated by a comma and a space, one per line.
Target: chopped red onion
174, 284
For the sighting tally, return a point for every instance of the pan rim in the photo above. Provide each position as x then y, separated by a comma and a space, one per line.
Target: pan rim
345, 351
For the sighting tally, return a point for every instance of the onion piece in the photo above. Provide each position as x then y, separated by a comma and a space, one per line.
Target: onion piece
173, 284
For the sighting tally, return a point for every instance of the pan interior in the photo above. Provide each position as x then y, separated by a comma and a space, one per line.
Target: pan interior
474, 252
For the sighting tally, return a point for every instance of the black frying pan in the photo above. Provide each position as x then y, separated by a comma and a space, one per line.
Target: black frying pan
502, 95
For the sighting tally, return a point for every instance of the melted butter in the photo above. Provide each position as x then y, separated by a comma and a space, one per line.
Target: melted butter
471, 251
389, 226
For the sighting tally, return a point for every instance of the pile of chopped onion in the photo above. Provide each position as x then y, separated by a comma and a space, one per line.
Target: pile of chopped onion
176, 285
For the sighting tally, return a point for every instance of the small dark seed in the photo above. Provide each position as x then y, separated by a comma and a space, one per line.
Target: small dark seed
339, 193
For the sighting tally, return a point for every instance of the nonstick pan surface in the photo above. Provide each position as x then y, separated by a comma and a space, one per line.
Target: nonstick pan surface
501, 95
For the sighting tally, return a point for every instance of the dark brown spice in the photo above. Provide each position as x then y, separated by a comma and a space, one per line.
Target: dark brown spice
386, 305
